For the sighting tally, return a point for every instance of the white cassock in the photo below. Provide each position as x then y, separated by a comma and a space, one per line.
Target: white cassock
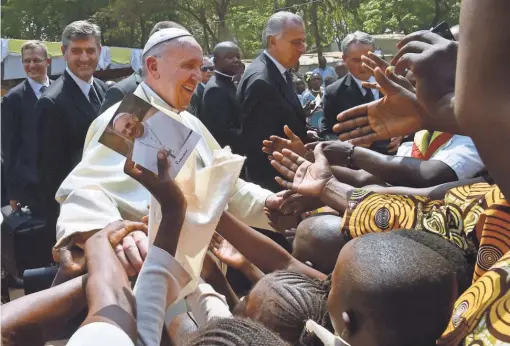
97, 192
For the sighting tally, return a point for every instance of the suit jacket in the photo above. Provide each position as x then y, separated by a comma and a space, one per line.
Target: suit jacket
220, 112
195, 106
65, 115
340, 96
19, 129
117, 92
267, 103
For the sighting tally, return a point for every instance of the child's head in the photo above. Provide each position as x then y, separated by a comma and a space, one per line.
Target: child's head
234, 332
454, 255
318, 240
283, 301
299, 85
390, 290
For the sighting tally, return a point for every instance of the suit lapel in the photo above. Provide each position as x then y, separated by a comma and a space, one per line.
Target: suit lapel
284, 87
78, 99
99, 90
29, 93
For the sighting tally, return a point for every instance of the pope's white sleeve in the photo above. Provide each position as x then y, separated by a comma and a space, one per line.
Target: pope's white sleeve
99, 334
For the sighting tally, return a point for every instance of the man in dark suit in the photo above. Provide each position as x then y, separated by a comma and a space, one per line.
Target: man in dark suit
66, 111
348, 92
206, 70
128, 85
267, 98
220, 111
19, 127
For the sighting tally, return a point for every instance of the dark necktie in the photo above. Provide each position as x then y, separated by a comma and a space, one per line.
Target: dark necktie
43, 87
94, 100
288, 78
369, 95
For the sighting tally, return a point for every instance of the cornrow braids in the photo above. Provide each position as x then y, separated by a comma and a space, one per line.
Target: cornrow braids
291, 300
234, 332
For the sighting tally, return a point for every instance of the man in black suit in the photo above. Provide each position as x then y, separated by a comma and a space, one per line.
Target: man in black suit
128, 85
206, 70
220, 111
66, 111
266, 95
348, 92
19, 127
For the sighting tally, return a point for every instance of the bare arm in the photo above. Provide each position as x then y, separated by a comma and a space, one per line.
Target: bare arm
482, 102
42, 308
403, 171
260, 250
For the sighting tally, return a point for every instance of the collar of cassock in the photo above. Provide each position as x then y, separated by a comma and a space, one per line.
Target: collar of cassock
224, 75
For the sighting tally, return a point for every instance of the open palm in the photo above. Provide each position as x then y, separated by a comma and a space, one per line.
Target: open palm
398, 113
226, 252
304, 177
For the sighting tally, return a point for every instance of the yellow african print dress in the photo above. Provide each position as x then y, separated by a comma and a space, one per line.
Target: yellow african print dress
474, 217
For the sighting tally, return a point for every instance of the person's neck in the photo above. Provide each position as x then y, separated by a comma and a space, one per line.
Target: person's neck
224, 74
41, 80
277, 58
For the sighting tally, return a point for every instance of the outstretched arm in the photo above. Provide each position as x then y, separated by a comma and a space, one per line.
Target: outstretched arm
261, 250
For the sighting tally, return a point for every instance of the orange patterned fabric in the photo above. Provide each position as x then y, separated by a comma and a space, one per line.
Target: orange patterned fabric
475, 217
481, 316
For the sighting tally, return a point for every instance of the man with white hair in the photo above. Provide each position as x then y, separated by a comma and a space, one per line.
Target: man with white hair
348, 91
98, 192
266, 94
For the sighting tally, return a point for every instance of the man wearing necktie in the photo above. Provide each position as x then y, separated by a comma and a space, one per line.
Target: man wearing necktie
19, 127
66, 111
267, 98
348, 92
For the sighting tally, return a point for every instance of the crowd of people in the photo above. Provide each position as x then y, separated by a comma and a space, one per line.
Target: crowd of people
370, 209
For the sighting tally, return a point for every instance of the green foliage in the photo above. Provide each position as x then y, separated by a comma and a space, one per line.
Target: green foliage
127, 23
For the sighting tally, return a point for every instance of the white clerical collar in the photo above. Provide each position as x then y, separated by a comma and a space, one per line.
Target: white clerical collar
224, 75
278, 65
147, 90
370, 80
84, 86
36, 86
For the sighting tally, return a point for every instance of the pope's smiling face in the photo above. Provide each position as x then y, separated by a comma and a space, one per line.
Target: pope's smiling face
175, 74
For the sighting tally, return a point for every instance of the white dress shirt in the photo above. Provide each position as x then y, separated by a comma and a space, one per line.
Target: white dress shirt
84, 86
459, 153
280, 67
36, 86
363, 90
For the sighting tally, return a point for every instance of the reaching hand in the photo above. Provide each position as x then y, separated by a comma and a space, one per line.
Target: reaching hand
161, 186
274, 202
371, 61
395, 144
297, 204
227, 253
128, 238
433, 61
279, 221
304, 177
398, 113
276, 143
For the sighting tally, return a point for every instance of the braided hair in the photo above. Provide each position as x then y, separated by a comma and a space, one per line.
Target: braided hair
289, 301
234, 332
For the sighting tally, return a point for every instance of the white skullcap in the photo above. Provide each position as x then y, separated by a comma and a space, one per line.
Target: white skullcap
118, 116
164, 35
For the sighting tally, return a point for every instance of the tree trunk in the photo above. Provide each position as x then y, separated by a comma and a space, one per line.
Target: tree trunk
143, 30
437, 14
221, 11
203, 20
315, 29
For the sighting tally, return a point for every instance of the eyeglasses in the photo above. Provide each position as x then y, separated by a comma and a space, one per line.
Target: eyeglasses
35, 61
207, 68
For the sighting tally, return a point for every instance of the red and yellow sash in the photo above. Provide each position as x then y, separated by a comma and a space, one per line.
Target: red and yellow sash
426, 144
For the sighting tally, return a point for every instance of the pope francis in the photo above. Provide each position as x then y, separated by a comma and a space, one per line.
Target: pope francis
97, 192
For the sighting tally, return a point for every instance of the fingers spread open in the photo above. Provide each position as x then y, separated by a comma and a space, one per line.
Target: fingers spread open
287, 173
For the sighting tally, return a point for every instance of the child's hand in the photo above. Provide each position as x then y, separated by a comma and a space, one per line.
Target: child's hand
161, 186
